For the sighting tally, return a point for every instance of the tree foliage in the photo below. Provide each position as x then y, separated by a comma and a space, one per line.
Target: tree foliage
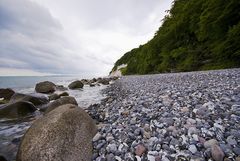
195, 35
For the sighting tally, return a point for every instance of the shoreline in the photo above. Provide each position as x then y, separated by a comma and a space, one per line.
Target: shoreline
174, 116
13, 126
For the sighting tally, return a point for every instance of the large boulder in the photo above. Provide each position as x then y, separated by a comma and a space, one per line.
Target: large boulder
63, 134
61, 101
53, 96
92, 85
93, 80
64, 94
36, 99
85, 81
17, 109
104, 81
45, 87
56, 96
75, 85
6, 93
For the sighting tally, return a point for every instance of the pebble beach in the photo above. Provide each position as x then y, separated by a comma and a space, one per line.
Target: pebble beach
190, 116
176, 116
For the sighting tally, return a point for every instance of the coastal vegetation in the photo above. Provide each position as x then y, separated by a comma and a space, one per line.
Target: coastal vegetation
194, 35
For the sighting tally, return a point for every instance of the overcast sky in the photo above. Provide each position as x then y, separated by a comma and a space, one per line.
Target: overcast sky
84, 37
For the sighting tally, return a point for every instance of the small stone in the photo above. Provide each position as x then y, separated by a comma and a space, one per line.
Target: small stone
169, 121
152, 141
125, 113
94, 156
174, 142
118, 158
198, 159
219, 126
191, 121
195, 137
192, 130
210, 143
192, 149
137, 131
112, 148
231, 140
110, 157
151, 158
184, 139
171, 128
164, 158
226, 148
16, 140
99, 146
146, 135
201, 140
236, 150
165, 147
140, 150
147, 127
238, 158
101, 158
123, 148
109, 138
97, 137
184, 109
209, 105
217, 153
131, 136
158, 158
133, 121
203, 111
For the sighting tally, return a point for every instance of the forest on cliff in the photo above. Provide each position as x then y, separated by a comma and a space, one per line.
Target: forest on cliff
194, 35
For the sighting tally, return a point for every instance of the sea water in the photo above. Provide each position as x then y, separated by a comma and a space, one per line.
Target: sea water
11, 131
26, 84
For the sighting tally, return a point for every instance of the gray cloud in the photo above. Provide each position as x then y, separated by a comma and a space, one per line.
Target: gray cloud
75, 36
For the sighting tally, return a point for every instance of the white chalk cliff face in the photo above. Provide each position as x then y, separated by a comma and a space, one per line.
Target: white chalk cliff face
118, 71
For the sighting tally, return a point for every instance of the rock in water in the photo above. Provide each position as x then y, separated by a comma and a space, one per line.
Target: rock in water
45, 87
92, 85
217, 153
59, 102
64, 94
75, 85
53, 96
17, 109
63, 134
104, 81
6, 93
56, 96
36, 99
